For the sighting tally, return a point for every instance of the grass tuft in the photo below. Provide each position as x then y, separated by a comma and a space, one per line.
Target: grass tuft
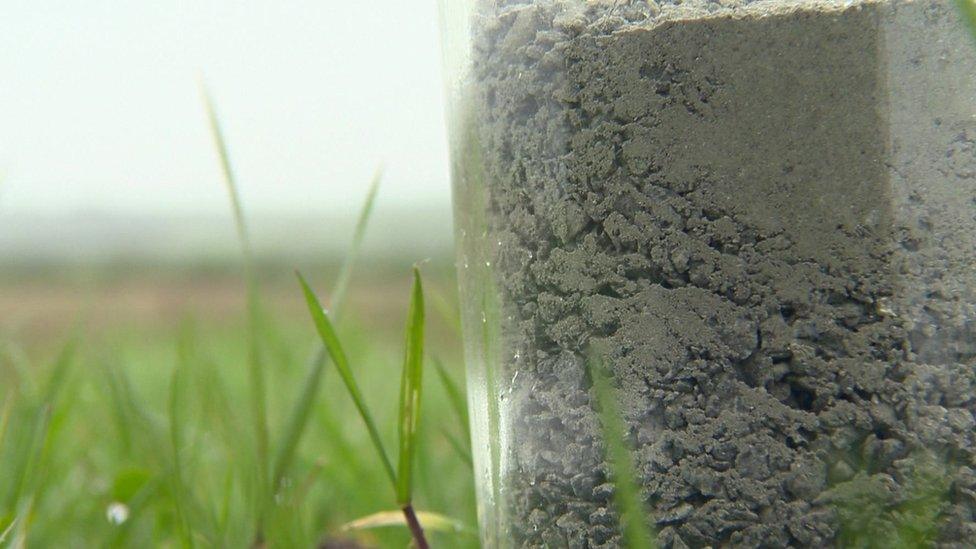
411, 383
259, 398
298, 420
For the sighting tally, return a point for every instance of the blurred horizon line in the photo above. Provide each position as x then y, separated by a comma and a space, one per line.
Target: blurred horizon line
96, 235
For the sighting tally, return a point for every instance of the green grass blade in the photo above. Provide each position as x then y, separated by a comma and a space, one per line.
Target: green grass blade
298, 420
342, 282
331, 342
633, 516
139, 425
297, 423
177, 405
123, 421
230, 179
967, 9
256, 371
456, 397
35, 451
217, 405
59, 371
447, 310
29, 458
15, 361
459, 448
341, 451
225, 502
8, 405
301, 492
411, 384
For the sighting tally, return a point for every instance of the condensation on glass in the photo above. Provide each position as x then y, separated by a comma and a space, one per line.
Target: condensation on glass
762, 214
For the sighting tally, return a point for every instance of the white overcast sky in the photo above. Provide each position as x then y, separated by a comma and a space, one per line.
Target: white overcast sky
100, 110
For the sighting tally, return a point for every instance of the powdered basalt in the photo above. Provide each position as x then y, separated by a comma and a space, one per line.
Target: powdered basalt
753, 210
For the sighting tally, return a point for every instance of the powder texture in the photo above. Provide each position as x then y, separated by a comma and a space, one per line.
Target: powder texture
764, 213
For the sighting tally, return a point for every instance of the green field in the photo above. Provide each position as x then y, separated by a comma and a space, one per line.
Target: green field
128, 392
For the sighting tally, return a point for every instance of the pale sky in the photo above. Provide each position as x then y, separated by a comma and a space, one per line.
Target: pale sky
100, 109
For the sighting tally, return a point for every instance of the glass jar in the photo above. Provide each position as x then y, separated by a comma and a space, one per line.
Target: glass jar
764, 214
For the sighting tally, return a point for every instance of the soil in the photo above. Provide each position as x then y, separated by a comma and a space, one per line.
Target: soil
764, 212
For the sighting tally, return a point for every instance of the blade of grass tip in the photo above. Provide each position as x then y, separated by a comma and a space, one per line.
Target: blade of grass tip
227, 170
331, 342
342, 282
967, 8
259, 396
455, 397
633, 516
298, 420
176, 406
411, 383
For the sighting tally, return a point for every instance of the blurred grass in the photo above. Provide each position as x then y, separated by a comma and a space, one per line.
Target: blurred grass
255, 360
154, 416
298, 421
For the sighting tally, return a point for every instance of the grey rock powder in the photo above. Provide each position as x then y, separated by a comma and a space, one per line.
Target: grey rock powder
764, 213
